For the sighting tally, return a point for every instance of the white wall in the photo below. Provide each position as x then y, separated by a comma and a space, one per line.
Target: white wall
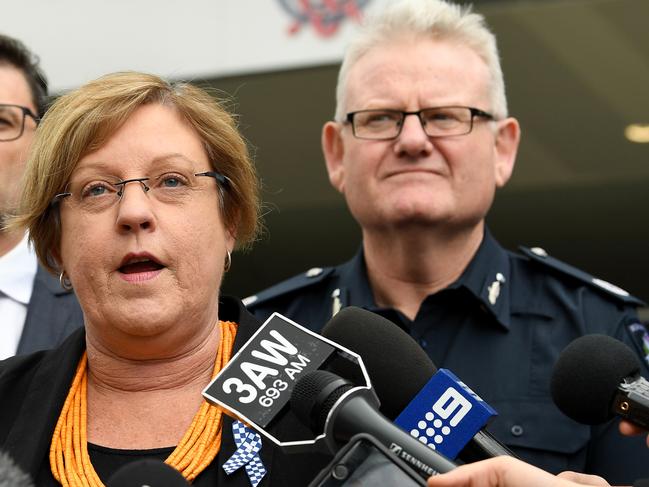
79, 40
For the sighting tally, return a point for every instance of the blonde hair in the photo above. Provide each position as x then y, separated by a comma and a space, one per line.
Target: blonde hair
82, 121
436, 19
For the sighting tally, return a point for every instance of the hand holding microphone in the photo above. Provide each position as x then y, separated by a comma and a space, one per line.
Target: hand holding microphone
510, 472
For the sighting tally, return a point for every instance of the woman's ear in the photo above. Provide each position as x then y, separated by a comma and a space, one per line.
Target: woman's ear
54, 257
230, 238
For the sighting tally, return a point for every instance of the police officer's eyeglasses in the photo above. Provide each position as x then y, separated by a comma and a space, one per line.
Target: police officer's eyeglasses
384, 124
12, 121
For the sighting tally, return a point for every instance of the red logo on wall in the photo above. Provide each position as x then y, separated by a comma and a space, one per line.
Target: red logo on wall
325, 16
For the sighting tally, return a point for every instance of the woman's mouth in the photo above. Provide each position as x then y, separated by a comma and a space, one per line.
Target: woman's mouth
144, 266
139, 268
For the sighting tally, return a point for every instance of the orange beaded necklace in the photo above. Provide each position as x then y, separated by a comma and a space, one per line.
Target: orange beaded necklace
69, 459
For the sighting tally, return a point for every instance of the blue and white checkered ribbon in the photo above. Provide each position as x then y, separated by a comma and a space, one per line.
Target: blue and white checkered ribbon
248, 446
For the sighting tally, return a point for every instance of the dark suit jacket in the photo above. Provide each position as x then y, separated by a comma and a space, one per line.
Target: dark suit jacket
53, 313
33, 389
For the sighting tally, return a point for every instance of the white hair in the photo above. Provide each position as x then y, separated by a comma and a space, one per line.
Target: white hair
435, 19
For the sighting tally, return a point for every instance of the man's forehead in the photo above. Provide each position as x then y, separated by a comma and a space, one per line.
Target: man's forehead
14, 88
432, 68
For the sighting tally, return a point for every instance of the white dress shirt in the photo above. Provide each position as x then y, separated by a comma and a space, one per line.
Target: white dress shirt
17, 271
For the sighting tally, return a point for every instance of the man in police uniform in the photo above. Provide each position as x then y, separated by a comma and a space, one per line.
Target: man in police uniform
420, 142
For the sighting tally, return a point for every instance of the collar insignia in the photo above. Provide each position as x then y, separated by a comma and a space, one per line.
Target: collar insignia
494, 288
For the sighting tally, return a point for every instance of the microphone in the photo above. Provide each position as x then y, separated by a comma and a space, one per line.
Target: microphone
11, 475
598, 377
331, 404
409, 387
255, 385
146, 473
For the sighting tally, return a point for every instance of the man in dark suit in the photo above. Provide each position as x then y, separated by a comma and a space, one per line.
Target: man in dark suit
36, 312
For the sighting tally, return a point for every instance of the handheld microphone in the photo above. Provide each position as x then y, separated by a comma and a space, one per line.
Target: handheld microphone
409, 386
11, 475
146, 473
331, 404
598, 377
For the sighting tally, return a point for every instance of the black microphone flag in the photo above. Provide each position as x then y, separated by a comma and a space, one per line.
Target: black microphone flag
256, 385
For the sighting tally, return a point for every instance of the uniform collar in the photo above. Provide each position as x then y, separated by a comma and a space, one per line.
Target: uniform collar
17, 271
486, 277
354, 274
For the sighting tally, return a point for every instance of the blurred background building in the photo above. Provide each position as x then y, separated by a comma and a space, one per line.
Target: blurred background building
577, 74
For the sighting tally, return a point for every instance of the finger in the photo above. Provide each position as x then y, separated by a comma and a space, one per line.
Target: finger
498, 472
583, 479
630, 429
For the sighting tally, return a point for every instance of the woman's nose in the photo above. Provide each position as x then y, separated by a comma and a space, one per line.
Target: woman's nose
135, 211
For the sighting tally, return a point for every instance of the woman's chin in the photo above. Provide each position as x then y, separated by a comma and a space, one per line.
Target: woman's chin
142, 340
136, 320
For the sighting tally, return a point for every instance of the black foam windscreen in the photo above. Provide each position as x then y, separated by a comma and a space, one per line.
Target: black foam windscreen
398, 367
587, 374
314, 395
149, 473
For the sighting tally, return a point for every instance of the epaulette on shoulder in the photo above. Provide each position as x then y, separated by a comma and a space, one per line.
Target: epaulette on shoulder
306, 279
539, 255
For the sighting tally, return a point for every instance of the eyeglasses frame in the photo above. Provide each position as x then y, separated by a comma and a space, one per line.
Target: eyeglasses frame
224, 182
475, 112
26, 112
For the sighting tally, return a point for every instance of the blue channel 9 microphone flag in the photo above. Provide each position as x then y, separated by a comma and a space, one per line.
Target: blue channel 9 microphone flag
446, 414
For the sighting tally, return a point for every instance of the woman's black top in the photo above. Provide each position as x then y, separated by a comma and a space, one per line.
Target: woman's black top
33, 389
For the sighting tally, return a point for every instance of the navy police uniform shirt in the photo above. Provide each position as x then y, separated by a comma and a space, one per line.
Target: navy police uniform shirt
500, 328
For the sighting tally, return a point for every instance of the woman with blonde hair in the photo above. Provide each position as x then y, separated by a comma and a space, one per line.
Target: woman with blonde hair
136, 193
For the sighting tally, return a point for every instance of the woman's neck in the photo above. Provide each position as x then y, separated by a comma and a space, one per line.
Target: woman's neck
112, 372
143, 404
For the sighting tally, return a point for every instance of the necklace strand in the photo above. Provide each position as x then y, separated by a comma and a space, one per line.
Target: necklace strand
69, 458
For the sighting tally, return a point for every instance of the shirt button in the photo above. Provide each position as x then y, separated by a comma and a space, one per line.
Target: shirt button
423, 342
517, 430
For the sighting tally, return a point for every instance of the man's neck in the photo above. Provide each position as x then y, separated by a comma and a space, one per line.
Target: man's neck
405, 266
9, 240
